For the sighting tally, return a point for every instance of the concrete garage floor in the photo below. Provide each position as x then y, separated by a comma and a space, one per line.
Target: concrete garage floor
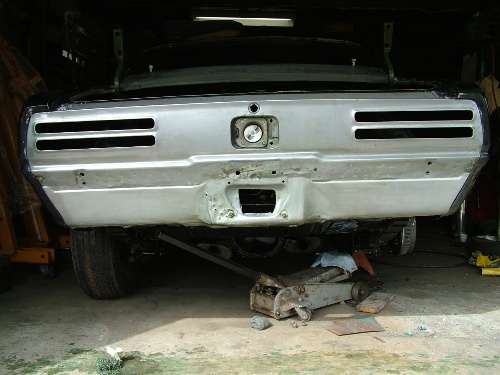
192, 317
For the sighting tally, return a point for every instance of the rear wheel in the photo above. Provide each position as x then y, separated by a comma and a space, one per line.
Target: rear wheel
408, 237
103, 268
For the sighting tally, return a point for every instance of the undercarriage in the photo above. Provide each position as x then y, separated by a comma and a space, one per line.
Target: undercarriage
373, 237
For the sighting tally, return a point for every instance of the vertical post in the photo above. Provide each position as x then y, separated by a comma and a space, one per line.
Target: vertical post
118, 44
462, 223
388, 26
498, 230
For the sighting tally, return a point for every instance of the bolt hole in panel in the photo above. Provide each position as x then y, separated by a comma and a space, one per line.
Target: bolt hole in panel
253, 108
446, 130
257, 201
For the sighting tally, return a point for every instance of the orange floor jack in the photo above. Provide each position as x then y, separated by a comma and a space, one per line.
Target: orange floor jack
25, 240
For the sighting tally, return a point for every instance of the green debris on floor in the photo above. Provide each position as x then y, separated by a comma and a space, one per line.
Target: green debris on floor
94, 362
108, 366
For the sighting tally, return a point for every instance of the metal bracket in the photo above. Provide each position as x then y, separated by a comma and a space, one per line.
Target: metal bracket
118, 45
388, 27
33, 255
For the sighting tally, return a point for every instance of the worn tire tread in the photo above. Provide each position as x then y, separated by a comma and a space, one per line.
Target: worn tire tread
97, 265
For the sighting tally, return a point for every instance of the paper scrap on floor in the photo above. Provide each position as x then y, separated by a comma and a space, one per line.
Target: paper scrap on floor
354, 324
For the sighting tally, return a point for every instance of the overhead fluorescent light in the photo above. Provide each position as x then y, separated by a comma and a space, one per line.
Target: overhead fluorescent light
252, 21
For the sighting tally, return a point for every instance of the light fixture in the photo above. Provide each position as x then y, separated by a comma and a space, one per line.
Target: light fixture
252, 21
250, 17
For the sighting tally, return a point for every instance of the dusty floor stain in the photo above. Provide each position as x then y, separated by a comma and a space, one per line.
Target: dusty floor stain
81, 361
201, 325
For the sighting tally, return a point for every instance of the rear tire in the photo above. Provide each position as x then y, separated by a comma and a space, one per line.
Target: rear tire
408, 237
101, 267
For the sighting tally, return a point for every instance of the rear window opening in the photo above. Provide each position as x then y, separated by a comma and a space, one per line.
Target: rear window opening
252, 51
257, 201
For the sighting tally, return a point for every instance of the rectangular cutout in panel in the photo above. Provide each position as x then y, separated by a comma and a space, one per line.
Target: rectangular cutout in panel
94, 126
89, 143
257, 201
392, 116
403, 133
